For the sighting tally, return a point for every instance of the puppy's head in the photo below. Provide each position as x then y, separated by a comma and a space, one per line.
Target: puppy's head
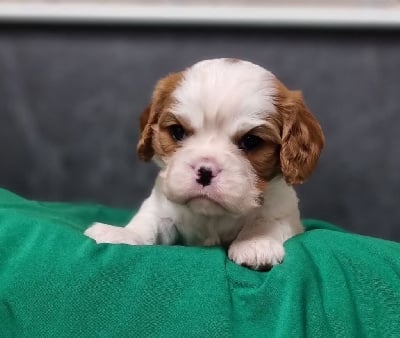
221, 130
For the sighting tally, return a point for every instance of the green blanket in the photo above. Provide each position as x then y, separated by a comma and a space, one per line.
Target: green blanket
55, 282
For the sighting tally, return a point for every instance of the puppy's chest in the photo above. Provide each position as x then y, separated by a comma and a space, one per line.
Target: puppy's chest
208, 231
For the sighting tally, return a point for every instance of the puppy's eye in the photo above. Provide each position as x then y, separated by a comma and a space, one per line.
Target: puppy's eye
177, 132
250, 142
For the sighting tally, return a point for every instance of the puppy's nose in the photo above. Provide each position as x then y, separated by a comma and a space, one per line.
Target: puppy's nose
204, 176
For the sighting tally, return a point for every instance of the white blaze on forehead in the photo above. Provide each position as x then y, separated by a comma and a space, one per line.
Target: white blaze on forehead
225, 93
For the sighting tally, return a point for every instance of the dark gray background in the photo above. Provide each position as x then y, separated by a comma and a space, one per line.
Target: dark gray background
70, 98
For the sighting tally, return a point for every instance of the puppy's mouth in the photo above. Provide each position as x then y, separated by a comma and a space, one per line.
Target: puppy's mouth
206, 205
204, 197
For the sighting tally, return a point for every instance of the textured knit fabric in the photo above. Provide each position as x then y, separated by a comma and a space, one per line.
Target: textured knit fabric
55, 282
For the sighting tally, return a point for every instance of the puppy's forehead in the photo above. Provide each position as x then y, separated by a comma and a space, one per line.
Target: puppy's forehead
225, 93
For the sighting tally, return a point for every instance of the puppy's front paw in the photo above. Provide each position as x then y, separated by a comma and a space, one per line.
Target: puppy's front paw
257, 254
104, 233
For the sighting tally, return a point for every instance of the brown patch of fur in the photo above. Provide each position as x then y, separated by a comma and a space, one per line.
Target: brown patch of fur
163, 142
302, 136
265, 158
144, 117
161, 101
265, 162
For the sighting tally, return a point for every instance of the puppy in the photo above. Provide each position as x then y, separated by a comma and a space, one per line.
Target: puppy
230, 141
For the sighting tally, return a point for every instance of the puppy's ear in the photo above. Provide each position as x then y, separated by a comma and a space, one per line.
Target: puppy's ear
162, 99
302, 138
145, 149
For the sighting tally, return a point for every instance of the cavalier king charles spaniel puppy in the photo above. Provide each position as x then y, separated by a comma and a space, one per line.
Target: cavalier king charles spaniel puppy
230, 141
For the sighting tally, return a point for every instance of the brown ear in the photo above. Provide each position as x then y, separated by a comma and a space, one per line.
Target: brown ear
161, 100
144, 148
302, 138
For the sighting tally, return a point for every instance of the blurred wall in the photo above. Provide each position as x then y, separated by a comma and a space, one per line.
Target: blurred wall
70, 100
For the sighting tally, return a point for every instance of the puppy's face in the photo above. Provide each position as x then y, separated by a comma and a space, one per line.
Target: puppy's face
221, 130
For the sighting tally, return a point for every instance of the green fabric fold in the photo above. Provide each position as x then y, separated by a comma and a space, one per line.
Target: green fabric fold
55, 282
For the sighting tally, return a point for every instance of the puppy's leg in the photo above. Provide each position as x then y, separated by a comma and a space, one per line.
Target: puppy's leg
147, 227
260, 245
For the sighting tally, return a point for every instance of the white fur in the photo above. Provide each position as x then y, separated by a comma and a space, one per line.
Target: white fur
217, 98
222, 94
